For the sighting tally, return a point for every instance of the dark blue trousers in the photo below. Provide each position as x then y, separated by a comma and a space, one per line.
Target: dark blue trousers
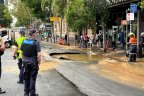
30, 75
21, 68
132, 53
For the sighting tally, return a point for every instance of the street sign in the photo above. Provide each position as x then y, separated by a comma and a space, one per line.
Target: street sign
130, 16
123, 22
55, 19
48, 26
133, 7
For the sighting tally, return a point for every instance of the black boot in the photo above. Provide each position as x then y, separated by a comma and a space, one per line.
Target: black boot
130, 58
26, 94
2, 91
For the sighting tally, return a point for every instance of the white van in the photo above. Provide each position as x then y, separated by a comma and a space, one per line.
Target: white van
8, 37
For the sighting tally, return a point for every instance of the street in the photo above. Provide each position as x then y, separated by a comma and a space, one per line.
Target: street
71, 78
49, 82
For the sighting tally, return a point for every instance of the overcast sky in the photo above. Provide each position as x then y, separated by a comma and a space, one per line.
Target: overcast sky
10, 6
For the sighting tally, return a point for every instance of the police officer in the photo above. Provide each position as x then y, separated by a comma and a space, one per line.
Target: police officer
132, 48
18, 55
31, 52
2, 48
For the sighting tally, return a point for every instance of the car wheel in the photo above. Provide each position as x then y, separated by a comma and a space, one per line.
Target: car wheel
7, 44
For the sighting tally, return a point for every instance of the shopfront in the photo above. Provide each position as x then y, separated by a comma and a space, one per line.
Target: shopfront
126, 18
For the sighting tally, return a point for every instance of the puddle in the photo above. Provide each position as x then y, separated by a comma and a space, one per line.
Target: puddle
79, 57
117, 69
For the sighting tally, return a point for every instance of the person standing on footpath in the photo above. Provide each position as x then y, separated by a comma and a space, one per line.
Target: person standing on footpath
31, 56
18, 55
132, 48
2, 49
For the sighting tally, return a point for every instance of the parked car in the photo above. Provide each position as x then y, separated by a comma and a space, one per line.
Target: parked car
7, 37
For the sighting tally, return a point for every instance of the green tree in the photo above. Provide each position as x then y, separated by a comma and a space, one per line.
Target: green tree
5, 17
76, 15
22, 13
36, 9
142, 4
99, 11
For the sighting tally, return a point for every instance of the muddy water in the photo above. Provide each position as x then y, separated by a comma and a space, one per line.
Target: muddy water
116, 69
80, 57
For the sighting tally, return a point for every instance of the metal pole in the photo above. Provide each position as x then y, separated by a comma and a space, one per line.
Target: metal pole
126, 30
139, 47
130, 26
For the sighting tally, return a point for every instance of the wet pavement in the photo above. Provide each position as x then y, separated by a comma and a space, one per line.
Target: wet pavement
103, 74
49, 81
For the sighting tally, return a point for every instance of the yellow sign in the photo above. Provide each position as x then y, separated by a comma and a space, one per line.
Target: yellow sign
55, 19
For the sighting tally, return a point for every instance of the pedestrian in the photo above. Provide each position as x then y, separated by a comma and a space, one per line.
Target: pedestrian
121, 39
18, 55
142, 42
31, 52
2, 49
99, 38
65, 38
86, 40
132, 48
114, 40
92, 40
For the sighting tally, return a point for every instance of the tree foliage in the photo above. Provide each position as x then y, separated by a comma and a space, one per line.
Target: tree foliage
22, 13
58, 7
76, 15
142, 4
98, 9
5, 17
36, 9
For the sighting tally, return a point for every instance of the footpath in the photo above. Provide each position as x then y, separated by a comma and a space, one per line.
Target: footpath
111, 76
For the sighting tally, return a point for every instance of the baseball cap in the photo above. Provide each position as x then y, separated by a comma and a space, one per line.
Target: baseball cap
31, 32
22, 32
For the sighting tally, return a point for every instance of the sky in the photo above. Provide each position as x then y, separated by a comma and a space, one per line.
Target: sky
10, 7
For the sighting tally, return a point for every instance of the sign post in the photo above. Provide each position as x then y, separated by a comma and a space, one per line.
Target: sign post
130, 18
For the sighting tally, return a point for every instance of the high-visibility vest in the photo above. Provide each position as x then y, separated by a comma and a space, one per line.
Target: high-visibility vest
133, 40
19, 42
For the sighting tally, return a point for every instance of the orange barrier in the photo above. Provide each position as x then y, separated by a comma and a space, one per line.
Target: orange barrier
62, 41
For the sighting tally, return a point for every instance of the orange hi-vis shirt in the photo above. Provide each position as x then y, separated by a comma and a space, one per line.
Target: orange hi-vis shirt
133, 40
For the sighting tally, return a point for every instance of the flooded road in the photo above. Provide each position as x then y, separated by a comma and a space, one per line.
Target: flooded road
79, 57
113, 67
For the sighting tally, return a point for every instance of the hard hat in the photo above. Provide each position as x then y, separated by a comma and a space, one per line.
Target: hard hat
131, 34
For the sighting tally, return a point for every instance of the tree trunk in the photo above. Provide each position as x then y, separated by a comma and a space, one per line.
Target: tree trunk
52, 30
61, 28
68, 35
104, 37
94, 27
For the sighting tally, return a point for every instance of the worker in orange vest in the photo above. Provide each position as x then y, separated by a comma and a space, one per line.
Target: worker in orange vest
132, 48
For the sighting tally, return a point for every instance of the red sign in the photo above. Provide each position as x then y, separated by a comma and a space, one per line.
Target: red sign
123, 22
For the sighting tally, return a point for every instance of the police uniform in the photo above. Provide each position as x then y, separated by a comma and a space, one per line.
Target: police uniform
30, 48
132, 48
18, 43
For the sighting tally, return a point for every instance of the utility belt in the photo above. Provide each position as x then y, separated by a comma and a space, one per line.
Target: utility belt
30, 63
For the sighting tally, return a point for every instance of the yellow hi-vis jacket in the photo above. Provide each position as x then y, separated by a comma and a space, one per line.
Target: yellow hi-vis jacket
19, 42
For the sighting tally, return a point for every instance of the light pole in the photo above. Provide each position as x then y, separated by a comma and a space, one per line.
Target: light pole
139, 47
126, 30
